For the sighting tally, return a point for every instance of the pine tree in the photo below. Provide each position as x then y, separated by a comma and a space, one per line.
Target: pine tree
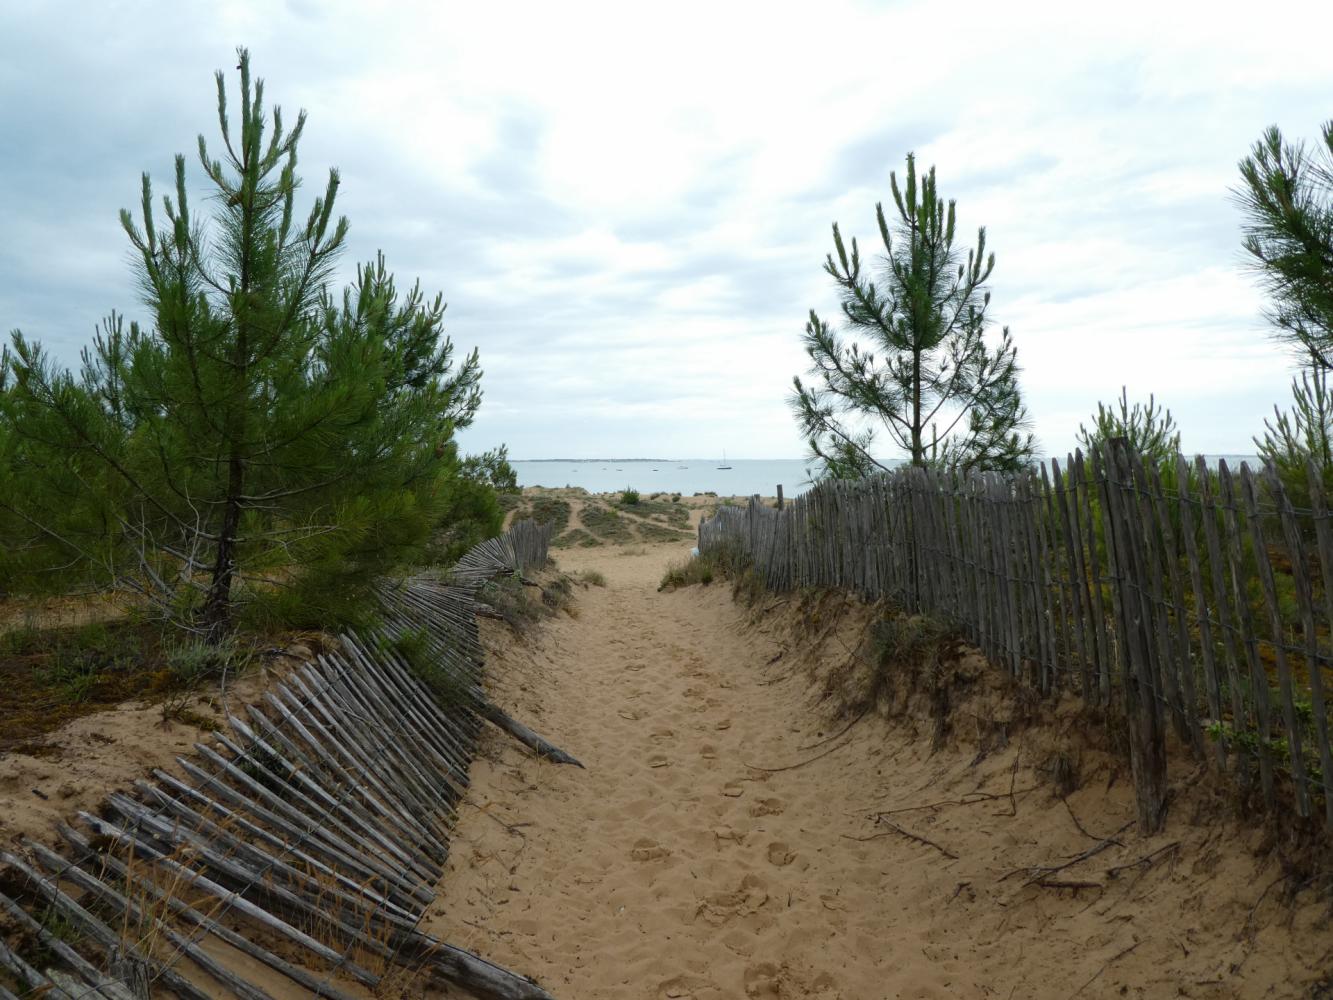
925, 373
1287, 197
258, 439
1150, 430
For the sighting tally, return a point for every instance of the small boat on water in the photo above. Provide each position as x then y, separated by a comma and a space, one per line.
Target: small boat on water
724, 464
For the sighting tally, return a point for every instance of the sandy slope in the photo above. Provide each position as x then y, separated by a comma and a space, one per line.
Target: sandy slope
675, 867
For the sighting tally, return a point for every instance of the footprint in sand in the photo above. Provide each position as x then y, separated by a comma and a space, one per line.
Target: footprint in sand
630, 715
733, 790
660, 736
708, 752
646, 849
779, 854
721, 907
725, 833
684, 988
763, 980
767, 807
722, 724
659, 760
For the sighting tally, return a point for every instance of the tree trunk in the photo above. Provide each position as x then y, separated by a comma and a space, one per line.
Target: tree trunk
217, 605
918, 451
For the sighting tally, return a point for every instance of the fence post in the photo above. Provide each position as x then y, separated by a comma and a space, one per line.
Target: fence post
1147, 736
779, 496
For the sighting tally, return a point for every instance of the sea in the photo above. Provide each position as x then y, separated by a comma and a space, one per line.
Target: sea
746, 476
743, 477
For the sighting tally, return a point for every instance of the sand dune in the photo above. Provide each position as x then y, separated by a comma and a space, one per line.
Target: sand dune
685, 862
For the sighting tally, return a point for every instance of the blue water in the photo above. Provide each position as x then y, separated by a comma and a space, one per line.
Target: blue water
688, 476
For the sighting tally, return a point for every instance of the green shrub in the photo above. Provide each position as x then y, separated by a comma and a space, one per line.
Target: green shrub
592, 578
698, 569
196, 661
629, 497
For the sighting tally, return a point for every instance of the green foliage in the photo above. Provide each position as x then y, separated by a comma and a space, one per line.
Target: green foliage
1299, 443
492, 468
915, 362
1150, 430
261, 441
1286, 194
629, 496
469, 509
592, 578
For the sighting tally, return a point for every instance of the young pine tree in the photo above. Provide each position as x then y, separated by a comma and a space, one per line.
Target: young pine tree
914, 361
258, 438
1150, 430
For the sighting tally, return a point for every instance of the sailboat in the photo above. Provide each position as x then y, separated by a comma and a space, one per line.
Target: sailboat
724, 464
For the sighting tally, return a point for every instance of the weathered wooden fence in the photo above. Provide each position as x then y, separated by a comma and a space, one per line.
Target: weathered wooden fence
1182, 596
317, 826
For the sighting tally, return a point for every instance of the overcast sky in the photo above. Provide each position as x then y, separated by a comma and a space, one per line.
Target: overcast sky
627, 206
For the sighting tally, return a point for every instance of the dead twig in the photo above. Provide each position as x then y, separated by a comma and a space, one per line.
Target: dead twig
1060, 883
1081, 828
1145, 861
970, 799
1039, 872
846, 729
1114, 958
918, 838
793, 767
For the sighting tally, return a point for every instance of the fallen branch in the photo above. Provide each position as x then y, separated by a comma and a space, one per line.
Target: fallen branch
540, 746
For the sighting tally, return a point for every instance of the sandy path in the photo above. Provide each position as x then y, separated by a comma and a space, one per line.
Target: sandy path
670, 868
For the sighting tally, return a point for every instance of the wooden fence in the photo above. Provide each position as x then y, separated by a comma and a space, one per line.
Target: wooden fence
303, 841
1184, 597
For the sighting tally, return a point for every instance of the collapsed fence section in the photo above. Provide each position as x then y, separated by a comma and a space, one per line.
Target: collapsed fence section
1181, 596
316, 823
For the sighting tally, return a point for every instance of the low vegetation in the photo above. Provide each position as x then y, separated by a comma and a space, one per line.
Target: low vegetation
50, 676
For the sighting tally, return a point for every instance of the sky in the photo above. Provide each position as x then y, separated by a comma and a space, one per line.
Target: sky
627, 206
